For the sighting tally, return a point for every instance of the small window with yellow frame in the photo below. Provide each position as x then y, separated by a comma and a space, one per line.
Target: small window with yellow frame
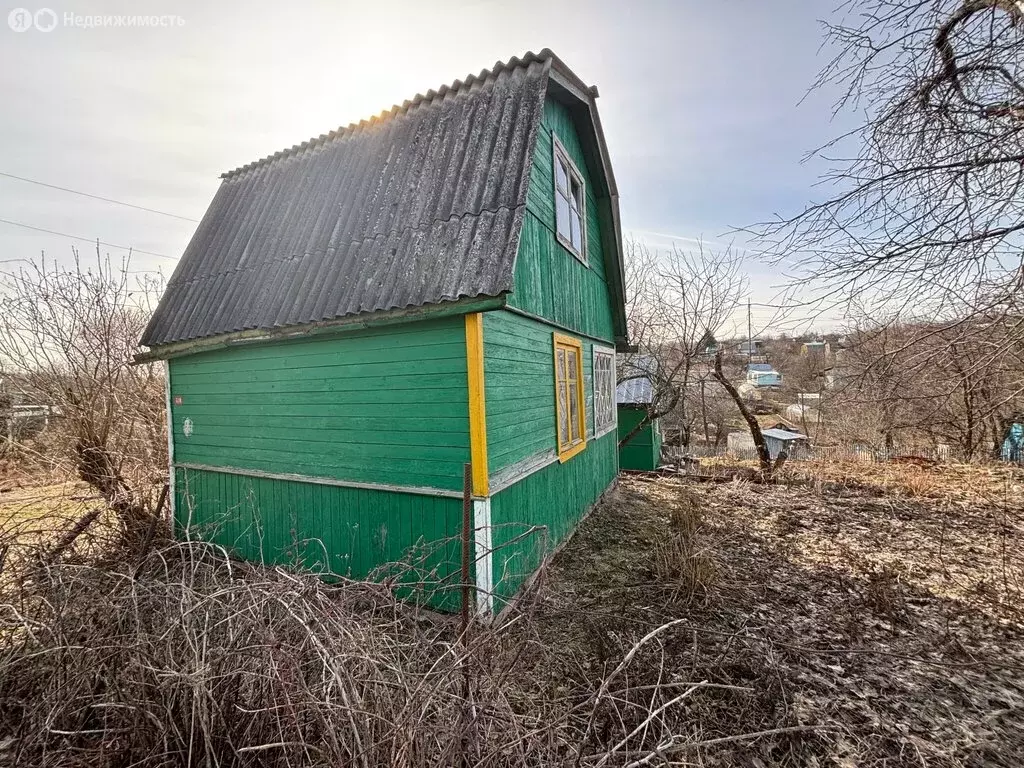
569, 402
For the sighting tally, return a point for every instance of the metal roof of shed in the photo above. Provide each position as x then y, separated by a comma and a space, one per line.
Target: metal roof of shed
782, 434
421, 205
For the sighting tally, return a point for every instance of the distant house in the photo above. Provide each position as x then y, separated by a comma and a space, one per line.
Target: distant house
815, 348
800, 413
358, 317
707, 345
750, 347
762, 375
1013, 444
634, 397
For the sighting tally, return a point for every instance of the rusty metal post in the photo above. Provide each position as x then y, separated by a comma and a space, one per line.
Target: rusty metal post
467, 527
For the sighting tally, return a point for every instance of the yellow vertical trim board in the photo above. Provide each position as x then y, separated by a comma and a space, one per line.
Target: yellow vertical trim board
477, 406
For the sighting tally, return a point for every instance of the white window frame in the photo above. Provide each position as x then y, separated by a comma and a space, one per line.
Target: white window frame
560, 155
603, 428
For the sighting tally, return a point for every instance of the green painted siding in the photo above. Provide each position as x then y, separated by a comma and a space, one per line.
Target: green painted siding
644, 450
385, 405
519, 381
531, 518
549, 281
328, 529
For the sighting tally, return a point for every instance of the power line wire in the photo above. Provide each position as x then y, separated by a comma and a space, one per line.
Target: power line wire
85, 239
98, 197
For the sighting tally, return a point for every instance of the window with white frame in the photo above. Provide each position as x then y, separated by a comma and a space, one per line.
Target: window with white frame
604, 390
570, 204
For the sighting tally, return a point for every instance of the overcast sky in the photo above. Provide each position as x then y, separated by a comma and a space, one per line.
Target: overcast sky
700, 102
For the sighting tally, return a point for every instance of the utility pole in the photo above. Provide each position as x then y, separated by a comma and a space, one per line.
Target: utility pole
750, 338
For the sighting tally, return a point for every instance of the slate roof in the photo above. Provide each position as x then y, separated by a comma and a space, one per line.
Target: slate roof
421, 205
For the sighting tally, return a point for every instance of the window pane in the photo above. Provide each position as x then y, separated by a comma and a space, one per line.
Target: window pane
562, 216
561, 175
574, 412
577, 196
575, 236
563, 411
563, 419
570, 364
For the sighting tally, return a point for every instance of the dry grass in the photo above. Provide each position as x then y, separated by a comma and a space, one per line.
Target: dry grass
682, 556
872, 619
821, 623
185, 657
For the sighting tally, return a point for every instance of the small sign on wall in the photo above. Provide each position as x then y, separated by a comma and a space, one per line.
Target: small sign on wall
177, 399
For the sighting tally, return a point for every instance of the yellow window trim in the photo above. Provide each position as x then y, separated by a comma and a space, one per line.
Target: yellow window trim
568, 342
477, 406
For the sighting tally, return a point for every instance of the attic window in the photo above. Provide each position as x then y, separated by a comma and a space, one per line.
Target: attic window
570, 203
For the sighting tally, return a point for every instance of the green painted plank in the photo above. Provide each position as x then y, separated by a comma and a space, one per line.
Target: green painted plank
552, 500
387, 405
350, 532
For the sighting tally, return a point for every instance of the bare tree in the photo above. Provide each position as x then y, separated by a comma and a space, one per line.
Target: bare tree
763, 457
929, 211
69, 335
676, 301
934, 383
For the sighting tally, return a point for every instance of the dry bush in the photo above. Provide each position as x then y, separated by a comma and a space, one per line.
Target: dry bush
185, 657
683, 558
67, 339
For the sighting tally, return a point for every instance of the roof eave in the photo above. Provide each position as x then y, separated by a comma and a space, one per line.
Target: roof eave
340, 325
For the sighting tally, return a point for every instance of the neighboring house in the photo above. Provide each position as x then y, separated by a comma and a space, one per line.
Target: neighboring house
763, 375
707, 345
801, 413
815, 348
359, 316
1013, 444
750, 347
634, 398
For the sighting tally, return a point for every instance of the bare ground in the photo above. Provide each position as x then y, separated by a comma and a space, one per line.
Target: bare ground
866, 616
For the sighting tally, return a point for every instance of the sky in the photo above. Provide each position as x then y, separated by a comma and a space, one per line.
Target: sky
703, 106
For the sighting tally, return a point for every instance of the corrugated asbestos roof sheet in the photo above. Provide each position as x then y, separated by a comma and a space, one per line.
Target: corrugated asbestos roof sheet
637, 389
421, 205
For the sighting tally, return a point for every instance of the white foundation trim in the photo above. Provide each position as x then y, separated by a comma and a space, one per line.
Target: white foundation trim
484, 559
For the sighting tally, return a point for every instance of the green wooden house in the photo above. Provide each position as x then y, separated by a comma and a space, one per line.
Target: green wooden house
359, 316
633, 399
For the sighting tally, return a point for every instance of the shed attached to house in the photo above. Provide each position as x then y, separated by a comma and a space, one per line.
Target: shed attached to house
643, 451
359, 316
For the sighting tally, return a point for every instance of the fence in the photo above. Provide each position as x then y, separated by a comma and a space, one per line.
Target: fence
676, 454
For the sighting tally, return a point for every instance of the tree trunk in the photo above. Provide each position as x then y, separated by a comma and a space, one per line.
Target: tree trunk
764, 458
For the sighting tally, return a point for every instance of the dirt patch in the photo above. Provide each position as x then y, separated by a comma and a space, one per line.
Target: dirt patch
856, 624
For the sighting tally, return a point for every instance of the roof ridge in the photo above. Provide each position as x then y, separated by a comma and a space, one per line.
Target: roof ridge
459, 85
